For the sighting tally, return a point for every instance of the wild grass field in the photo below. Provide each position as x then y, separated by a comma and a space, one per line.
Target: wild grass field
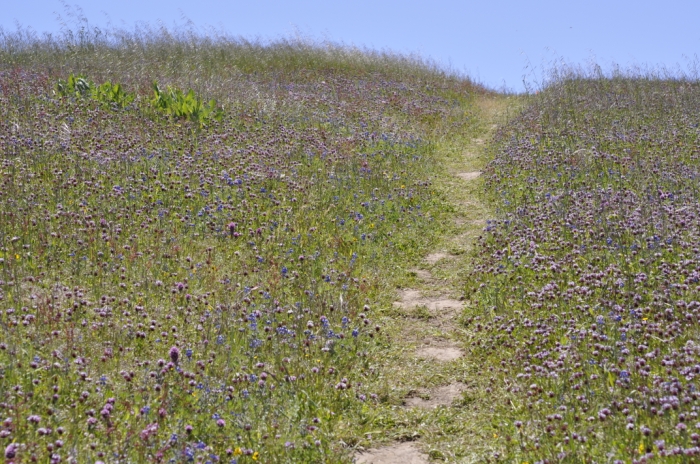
587, 283
217, 250
194, 271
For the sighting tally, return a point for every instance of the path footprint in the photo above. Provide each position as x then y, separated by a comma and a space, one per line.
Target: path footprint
400, 453
471, 175
433, 258
443, 353
440, 396
411, 298
422, 274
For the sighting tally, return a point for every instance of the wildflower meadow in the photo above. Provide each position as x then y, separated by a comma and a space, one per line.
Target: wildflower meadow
202, 240
587, 280
194, 237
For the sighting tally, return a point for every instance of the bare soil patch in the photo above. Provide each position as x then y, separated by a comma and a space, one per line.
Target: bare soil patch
444, 353
422, 274
443, 304
440, 396
469, 175
409, 298
400, 453
435, 257
412, 298
463, 222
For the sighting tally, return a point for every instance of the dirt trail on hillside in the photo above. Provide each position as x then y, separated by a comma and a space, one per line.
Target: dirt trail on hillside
433, 307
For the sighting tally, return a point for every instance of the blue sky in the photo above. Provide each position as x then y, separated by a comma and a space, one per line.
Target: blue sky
497, 42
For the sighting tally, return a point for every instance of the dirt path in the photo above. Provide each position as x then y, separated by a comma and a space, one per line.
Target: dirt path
433, 379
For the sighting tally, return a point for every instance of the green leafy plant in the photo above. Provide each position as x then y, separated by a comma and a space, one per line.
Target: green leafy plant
77, 86
180, 105
108, 93
112, 94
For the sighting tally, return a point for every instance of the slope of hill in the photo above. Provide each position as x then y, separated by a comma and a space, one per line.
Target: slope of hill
200, 275
220, 250
587, 282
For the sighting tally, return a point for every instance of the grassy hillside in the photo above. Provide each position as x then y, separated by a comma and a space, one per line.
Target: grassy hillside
586, 286
182, 285
202, 238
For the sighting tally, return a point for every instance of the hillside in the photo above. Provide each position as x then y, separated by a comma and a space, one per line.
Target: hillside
219, 250
200, 275
587, 282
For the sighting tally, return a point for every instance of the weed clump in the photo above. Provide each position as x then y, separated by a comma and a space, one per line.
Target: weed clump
108, 94
180, 105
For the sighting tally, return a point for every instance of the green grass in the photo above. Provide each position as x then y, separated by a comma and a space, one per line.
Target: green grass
584, 287
169, 287
184, 288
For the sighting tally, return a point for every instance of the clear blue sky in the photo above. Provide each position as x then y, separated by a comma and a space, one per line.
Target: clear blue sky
491, 40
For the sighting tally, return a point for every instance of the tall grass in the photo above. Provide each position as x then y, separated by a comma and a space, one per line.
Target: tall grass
187, 56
